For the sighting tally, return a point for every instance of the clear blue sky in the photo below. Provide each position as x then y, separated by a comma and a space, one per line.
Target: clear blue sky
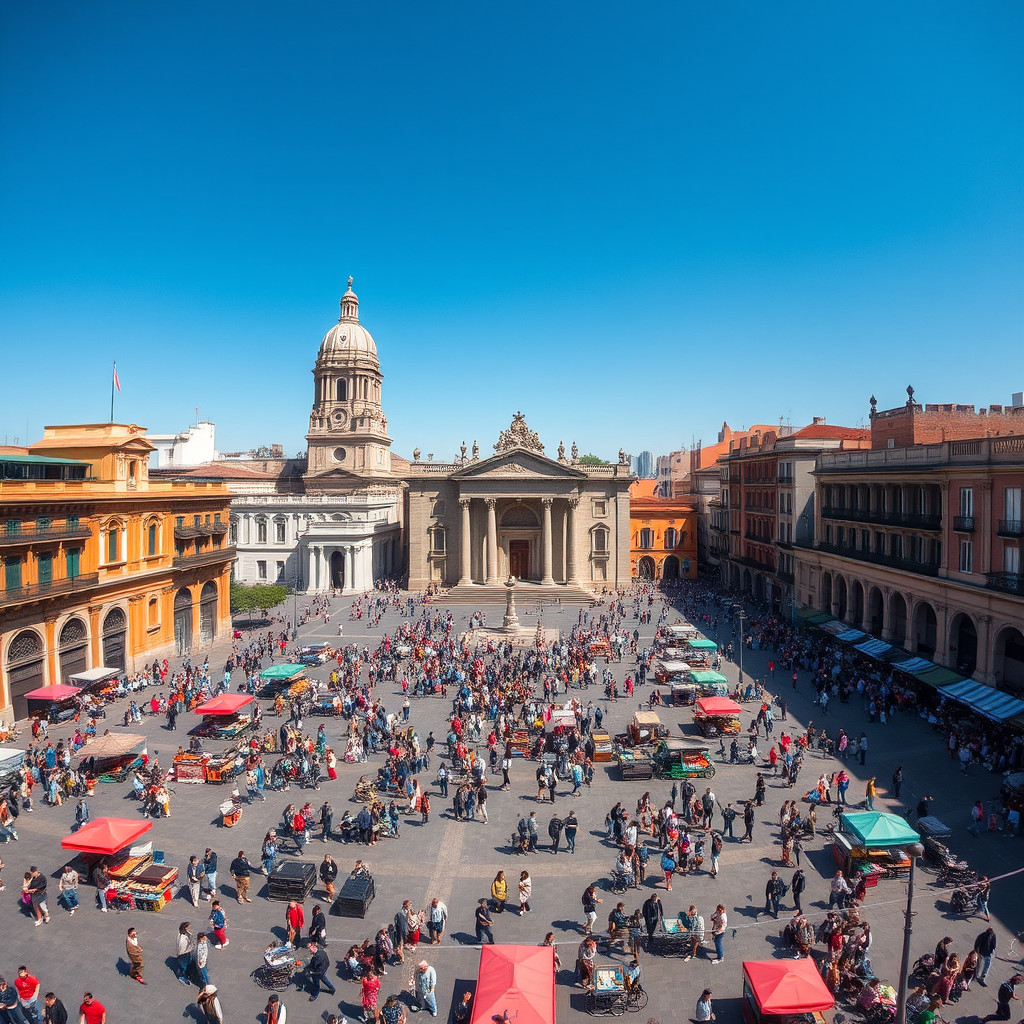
631, 221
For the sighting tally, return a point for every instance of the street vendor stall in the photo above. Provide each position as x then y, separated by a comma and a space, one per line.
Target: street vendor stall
709, 683
515, 983
113, 757
784, 992
873, 845
137, 880
634, 765
674, 937
222, 716
604, 747
645, 727
11, 760
280, 679
679, 759
680, 632
98, 685
669, 671
55, 703
715, 716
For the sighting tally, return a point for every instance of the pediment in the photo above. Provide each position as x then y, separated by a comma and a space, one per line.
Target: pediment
518, 464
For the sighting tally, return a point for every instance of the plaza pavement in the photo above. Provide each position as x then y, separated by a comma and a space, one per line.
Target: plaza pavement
456, 861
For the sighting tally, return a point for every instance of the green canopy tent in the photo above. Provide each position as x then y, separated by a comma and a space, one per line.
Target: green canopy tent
938, 676
702, 644
278, 672
876, 830
706, 677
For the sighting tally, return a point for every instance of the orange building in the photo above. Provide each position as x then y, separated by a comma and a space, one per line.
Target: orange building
101, 566
663, 535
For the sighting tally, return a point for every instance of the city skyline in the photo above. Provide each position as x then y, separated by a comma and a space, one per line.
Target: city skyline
739, 217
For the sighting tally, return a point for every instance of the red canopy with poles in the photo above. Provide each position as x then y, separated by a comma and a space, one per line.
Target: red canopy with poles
59, 691
225, 704
106, 835
713, 706
516, 983
783, 987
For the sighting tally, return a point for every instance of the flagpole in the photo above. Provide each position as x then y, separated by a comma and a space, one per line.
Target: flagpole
112, 394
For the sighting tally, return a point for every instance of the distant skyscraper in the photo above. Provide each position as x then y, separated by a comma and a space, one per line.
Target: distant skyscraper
645, 466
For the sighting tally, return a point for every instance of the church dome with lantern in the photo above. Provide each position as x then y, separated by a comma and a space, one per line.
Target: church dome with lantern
347, 339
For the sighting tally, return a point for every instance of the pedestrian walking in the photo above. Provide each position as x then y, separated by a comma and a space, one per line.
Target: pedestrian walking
219, 924
869, 793
183, 951
525, 891
135, 959
209, 1002
200, 959
483, 922
985, 946
555, 828
748, 823
91, 1010
328, 875
274, 1012
68, 887
1007, 994
839, 891
653, 913
54, 1011
194, 875
35, 886
719, 922
241, 869
897, 782
571, 826
862, 747
27, 987
425, 983
798, 884
773, 890
294, 919
437, 917
369, 990
209, 873
704, 1008
316, 971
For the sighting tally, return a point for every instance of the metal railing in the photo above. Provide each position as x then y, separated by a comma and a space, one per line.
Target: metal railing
29, 532
55, 588
1010, 528
1007, 582
963, 524
208, 557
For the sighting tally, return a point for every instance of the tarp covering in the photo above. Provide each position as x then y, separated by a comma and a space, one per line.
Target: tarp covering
717, 706
915, 665
705, 676
682, 629
106, 835
986, 700
849, 635
225, 704
835, 627
807, 615
56, 692
877, 830
113, 745
787, 986
282, 671
11, 758
938, 676
874, 648
675, 667
703, 644
515, 983
93, 675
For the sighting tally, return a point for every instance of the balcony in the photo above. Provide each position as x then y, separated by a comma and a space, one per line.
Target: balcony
912, 520
787, 479
186, 532
1006, 582
210, 557
42, 591
753, 563
30, 533
876, 558
1010, 528
963, 524
220, 528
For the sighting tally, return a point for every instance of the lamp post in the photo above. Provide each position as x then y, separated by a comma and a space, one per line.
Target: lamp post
740, 617
915, 850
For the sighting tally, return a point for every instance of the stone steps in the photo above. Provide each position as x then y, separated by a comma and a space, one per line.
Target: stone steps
526, 595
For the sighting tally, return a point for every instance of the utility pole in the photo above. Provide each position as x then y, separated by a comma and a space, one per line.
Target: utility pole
740, 616
915, 850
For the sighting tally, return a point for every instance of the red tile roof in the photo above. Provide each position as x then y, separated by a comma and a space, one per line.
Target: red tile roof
825, 431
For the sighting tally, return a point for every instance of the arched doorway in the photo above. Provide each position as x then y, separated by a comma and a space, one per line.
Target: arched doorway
25, 669
841, 598
963, 644
857, 603
757, 587
1008, 663
73, 648
115, 629
898, 620
208, 612
183, 621
645, 568
670, 568
924, 630
519, 541
826, 593
876, 611
338, 569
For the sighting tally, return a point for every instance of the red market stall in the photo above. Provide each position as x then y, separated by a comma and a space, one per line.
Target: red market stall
515, 983
106, 836
222, 716
784, 992
56, 703
715, 715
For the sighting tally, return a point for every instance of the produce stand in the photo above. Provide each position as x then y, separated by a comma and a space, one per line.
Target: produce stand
873, 845
784, 992
113, 757
515, 983
672, 938
678, 759
222, 716
709, 683
279, 677
190, 767
715, 716
604, 749
54, 703
634, 766
646, 727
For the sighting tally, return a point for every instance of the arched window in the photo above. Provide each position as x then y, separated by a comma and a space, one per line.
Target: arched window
646, 538
599, 541
437, 540
341, 389
671, 538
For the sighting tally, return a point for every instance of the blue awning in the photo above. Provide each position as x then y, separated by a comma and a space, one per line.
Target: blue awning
915, 665
874, 648
985, 700
851, 634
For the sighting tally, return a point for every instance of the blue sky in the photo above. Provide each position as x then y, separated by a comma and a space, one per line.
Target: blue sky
631, 222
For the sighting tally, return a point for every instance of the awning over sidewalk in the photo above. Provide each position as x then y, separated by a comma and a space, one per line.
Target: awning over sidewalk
938, 676
874, 648
877, 830
985, 700
58, 691
850, 635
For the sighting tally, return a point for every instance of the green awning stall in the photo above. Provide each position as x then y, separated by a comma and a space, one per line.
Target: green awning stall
702, 644
705, 677
938, 676
876, 830
276, 673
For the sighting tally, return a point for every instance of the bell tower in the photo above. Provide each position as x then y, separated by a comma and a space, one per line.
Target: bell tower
348, 432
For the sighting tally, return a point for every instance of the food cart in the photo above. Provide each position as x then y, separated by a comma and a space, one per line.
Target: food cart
645, 727
113, 757
634, 765
57, 703
673, 938
315, 654
604, 748
137, 879
784, 992
669, 671
873, 845
680, 632
699, 651
679, 759
280, 678
717, 716
709, 683
223, 716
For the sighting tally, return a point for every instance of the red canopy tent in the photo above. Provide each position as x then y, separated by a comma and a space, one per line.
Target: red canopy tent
58, 691
713, 706
106, 835
781, 987
225, 704
518, 981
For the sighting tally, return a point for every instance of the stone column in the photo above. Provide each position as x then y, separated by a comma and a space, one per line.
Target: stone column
492, 541
545, 539
464, 549
572, 574
310, 570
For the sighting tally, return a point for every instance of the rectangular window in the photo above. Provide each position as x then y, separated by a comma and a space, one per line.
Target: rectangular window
233, 531
279, 532
13, 527
261, 533
12, 573
72, 522
179, 522
1011, 504
261, 570
71, 562
1011, 559
111, 545
44, 524
966, 554
280, 571
45, 567
151, 540
967, 501
600, 508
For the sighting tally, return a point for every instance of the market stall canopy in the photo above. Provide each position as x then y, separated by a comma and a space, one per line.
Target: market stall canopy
225, 704
106, 835
873, 648
833, 626
287, 671
706, 676
717, 706
937, 676
849, 635
812, 617
703, 644
564, 717
112, 745
675, 667
915, 665
784, 987
56, 692
11, 758
682, 629
94, 675
986, 700
877, 830
515, 983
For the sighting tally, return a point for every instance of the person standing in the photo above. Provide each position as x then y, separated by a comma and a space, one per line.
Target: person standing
326, 821
653, 913
219, 925
437, 916
525, 891
316, 970
426, 982
294, 919
54, 1011
555, 827
241, 869
590, 902
499, 892
798, 885
194, 876
897, 782
716, 852
209, 1002
862, 747
274, 1012
719, 922
10, 1006
183, 951
68, 887
328, 875
773, 894
704, 1008
369, 990
985, 946
1007, 993
134, 950
840, 890
571, 826
209, 872
748, 822
27, 987
483, 922
101, 879
36, 888
92, 1011
984, 889
201, 957
869, 793
317, 928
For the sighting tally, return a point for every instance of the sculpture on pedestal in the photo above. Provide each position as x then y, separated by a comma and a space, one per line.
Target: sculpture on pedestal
510, 623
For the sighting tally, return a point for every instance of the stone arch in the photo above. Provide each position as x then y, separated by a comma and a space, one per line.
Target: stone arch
73, 647
519, 516
924, 640
1008, 659
876, 611
645, 568
963, 643
670, 568
25, 667
115, 633
826, 593
856, 602
208, 612
898, 619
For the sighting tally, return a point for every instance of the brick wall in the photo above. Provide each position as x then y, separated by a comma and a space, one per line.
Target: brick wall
932, 424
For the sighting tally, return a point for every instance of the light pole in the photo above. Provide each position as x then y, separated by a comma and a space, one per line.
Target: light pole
915, 850
740, 616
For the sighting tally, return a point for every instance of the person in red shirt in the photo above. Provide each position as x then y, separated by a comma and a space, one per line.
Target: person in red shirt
294, 919
92, 1011
28, 991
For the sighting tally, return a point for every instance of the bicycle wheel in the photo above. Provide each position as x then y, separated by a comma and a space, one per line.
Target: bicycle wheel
617, 1007
637, 1001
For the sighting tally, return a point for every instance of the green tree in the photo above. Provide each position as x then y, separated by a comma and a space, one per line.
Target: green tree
259, 597
592, 460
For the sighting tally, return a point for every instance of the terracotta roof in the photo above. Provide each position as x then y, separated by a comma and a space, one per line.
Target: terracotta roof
217, 470
642, 489
659, 505
825, 431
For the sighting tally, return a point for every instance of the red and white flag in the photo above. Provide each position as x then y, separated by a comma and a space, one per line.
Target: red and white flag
117, 382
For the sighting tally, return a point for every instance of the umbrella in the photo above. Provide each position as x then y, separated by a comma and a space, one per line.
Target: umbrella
106, 835
112, 745
515, 983
58, 691
787, 986
225, 704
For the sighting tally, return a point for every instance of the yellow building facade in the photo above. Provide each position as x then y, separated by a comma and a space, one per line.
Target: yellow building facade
100, 565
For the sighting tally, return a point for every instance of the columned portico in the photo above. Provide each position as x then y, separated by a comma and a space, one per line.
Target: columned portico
492, 541
546, 578
571, 570
465, 552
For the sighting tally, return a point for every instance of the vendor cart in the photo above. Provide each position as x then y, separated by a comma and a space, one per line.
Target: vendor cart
190, 767
784, 992
278, 967
709, 683
278, 677
717, 716
678, 759
646, 727
608, 994
684, 694
680, 632
669, 671
633, 765
56, 704
224, 717
674, 938
604, 748
874, 844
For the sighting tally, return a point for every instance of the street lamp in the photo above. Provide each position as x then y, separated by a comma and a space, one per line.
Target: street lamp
915, 850
740, 616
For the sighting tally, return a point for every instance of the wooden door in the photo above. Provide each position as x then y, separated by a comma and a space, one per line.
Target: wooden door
519, 558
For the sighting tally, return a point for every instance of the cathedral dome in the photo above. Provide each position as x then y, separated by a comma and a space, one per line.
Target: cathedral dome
348, 338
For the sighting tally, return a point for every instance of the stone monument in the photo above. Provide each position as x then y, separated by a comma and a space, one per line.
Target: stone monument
510, 623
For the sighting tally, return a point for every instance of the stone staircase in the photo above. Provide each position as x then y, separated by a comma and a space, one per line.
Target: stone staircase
527, 595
